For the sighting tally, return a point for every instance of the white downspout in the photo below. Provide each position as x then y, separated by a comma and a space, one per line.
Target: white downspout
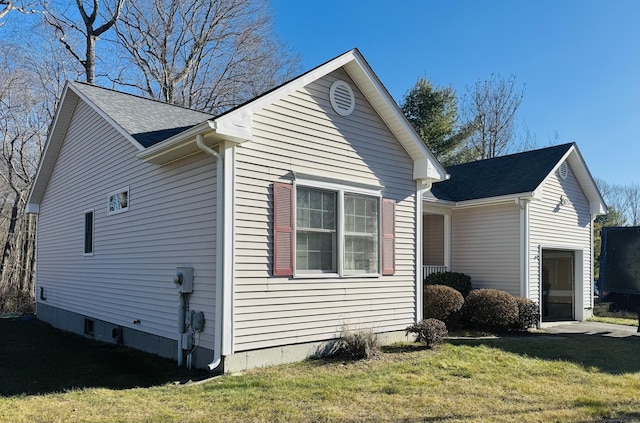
217, 343
420, 189
524, 246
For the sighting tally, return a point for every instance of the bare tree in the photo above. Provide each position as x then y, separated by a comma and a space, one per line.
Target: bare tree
490, 107
632, 196
62, 21
25, 113
7, 6
204, 54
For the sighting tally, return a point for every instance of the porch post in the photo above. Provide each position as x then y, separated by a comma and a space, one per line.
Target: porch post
447, 241
418, 243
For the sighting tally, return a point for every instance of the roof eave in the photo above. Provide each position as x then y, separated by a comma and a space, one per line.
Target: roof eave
509, 198
56, 135
597, 206
426, 166
183, 144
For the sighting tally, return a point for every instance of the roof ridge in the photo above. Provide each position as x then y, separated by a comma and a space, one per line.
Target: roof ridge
558, 146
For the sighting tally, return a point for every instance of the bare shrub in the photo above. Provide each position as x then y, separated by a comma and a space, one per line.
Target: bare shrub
430, 332
357, 345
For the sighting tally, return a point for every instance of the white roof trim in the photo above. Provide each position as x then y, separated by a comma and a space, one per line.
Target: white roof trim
579, 169
237, 125
66, 109
581, 172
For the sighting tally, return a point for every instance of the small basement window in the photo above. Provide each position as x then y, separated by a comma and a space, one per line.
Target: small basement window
89, 327
119, 201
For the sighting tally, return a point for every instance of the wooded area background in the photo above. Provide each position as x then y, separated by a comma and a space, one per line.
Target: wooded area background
209, 55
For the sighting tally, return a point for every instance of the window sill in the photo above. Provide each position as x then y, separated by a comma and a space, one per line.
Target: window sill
335, 275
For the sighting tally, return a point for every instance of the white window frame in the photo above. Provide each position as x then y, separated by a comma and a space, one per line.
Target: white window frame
122, 209
84, 232
340, 190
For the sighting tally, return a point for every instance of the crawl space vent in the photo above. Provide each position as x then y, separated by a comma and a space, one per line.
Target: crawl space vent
342, 98
563, 171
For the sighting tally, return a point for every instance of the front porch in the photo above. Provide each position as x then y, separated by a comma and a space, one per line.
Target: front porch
436, 241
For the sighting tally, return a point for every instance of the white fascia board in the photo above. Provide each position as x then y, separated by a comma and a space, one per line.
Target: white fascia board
424, 169
585, 180
438, 207
511, 198
235, 128
108, 118
53, 143
184, 143
176, 142
239, 114
425, 166
32, 208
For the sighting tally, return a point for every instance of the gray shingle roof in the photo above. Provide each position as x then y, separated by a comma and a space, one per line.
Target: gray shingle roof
512, 174
147, 121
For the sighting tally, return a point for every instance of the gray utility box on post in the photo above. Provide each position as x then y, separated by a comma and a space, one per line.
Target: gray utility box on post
184, 279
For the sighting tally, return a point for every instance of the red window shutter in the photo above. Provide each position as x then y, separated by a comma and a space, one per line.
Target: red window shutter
282, 229
388, 236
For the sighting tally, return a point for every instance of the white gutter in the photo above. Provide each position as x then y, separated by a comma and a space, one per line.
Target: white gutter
217, 343
500, 199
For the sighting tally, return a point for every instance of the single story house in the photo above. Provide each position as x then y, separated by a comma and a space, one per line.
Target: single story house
257, 236
239, 240
521, 223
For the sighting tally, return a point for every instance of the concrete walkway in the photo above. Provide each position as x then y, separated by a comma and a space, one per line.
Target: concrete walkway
591, 328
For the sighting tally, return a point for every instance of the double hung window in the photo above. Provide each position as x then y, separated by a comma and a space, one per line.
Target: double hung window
330, 229
316, 231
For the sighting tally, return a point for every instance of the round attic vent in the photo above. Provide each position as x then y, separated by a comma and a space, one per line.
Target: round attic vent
342, 98
563, 171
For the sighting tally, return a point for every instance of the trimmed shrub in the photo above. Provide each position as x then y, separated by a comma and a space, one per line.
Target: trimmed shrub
357, 345
490, 310
442, 302
458, 281
430, 332
528, 314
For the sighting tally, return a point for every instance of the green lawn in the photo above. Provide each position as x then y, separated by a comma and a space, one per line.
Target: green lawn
537, 377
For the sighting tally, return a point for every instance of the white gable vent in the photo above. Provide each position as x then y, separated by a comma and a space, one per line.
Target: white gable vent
563, 171
342, 98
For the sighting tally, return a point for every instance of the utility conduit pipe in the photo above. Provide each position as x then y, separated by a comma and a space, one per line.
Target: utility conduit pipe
182, 314
217, 336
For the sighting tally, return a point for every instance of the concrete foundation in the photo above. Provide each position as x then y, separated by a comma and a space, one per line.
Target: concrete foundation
266, 357
103, 331
100, 330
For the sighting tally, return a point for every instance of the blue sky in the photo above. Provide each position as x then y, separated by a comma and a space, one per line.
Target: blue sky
578, 59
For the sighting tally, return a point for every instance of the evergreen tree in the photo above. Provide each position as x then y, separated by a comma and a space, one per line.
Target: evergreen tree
433, 113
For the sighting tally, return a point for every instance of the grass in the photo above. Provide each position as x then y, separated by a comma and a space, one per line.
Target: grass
623, 317
615, 320
539, 377
36, 359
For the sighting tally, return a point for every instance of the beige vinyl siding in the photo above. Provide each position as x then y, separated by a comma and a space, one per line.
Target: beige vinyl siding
302, 133
562, 227
170, 223
485, 244
433, 239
